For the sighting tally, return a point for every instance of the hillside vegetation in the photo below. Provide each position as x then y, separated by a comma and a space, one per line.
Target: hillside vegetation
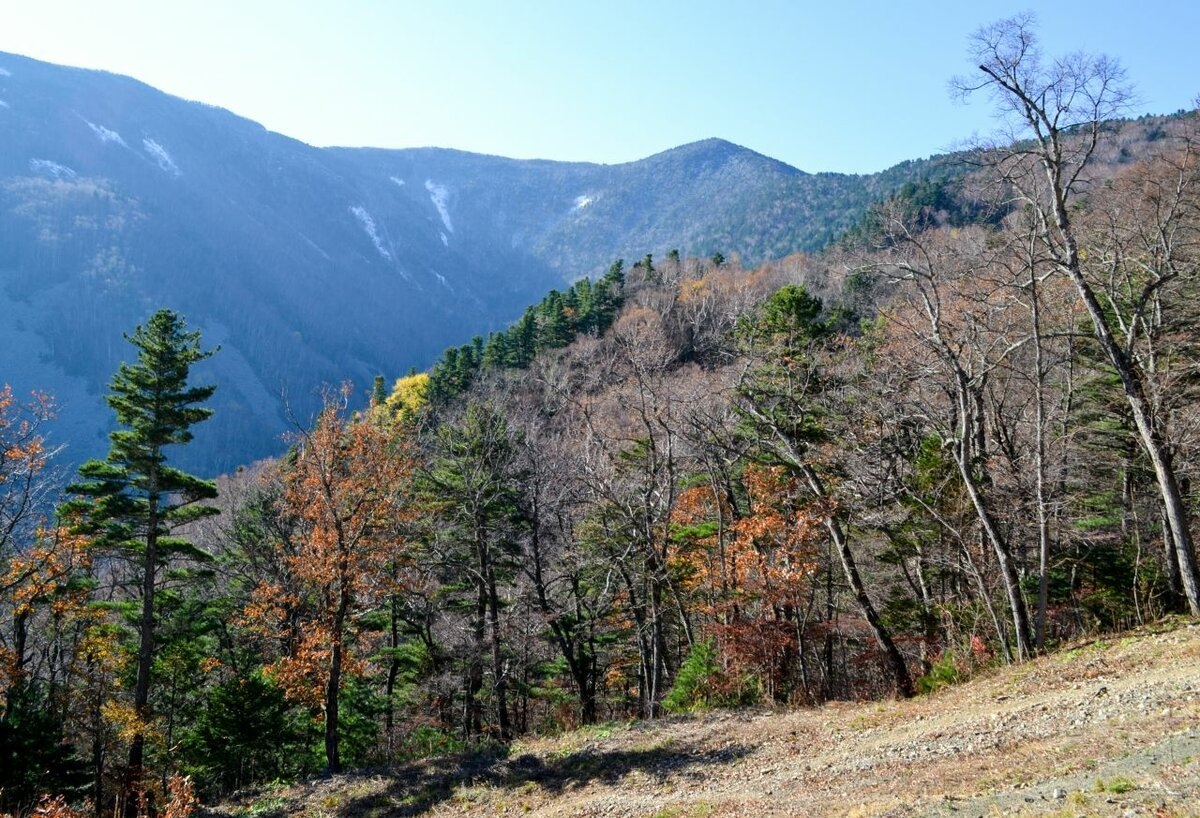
1108, 726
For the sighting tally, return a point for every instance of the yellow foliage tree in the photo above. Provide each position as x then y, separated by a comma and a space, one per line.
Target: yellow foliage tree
409, 395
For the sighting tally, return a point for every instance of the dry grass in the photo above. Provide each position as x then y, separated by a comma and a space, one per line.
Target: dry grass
1108, 727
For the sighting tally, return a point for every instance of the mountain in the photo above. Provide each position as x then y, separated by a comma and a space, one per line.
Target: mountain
312, 266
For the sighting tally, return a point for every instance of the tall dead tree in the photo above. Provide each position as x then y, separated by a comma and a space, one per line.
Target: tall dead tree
1056, 112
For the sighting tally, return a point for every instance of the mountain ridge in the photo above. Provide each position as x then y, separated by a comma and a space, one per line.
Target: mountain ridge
317, 265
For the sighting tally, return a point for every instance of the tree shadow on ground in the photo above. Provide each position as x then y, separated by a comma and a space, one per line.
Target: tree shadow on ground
419, 786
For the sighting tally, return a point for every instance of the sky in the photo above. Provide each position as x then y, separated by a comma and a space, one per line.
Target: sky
835, 85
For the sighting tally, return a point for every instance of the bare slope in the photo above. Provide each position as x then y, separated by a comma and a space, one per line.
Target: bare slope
1108, 727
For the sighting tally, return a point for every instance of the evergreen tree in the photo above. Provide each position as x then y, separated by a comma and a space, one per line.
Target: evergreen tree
36, 756
495, 351
378, 392
522, 340
476, 480
455, 371
650, 273
130, 503
581, 301
555, 330
607, 297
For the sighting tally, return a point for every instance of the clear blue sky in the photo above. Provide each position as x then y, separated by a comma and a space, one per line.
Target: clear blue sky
836, 85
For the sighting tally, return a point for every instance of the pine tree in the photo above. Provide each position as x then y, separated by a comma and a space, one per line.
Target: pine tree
555, 327
130, 503
779, 402
476, 479
522, 340
378, 392
607, 296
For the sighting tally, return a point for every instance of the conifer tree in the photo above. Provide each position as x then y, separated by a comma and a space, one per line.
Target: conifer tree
779, 402
607, 296
477, 482
130, 503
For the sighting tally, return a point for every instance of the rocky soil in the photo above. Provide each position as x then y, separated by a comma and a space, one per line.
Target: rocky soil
1106, 727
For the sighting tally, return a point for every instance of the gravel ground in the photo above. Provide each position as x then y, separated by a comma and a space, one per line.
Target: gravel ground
1107, 727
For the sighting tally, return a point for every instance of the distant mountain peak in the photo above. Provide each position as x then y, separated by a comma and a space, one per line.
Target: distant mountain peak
715, 152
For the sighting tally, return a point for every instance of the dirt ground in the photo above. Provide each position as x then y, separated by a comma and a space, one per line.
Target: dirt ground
1107, 727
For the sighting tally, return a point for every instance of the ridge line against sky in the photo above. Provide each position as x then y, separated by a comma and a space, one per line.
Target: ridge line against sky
851, 87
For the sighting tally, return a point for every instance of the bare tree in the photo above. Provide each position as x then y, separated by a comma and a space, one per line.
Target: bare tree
958, 313
1055, 114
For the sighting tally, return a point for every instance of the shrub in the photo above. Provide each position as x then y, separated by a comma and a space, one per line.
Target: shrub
701, 683
944, 673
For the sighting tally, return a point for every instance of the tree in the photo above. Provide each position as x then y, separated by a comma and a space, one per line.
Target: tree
957, 314
130, 503
1142, 239
633, 471
481, 519
24, 486
1058, 109
779, 400
378, 392
554, 328
344, 488
35, 567
607, 297
409, 395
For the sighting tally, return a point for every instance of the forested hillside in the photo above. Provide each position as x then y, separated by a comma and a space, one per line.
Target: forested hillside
960, 436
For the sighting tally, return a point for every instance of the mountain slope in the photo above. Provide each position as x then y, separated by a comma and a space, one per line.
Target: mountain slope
310, 266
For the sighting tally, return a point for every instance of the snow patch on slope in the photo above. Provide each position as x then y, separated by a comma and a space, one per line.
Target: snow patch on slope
315, 246
439, 195
399, 182
368, 225
582, 201
46, 167
106, 134
445, 240
4, 104
159, 154
4, 72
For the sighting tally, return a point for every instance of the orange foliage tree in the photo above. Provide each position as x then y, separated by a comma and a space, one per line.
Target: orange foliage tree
345, 488
23, 464
752, 572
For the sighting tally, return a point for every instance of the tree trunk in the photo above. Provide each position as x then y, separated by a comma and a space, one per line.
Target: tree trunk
135, 773
1043, 602
967, 431
333, 759
98, 756
883, 637
499, 672
392, 676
